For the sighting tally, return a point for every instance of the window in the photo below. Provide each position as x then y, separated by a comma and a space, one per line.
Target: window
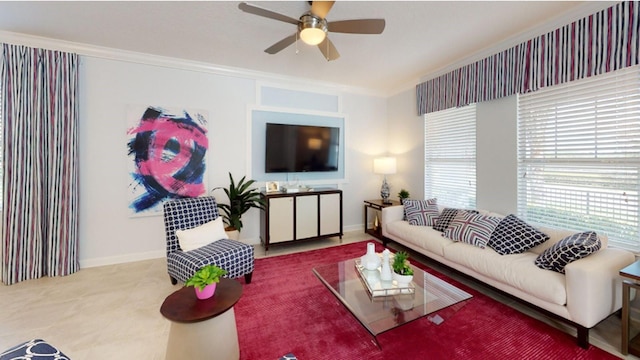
579, 156
450, 157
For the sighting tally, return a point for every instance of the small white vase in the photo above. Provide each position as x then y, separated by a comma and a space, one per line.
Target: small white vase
385, 271
370, 260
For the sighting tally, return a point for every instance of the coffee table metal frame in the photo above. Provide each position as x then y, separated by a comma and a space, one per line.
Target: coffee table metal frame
382, 313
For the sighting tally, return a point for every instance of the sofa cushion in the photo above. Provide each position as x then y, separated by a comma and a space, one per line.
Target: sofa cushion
515, 270
471, 228
569, 249
514, 236
421, 212
423, 237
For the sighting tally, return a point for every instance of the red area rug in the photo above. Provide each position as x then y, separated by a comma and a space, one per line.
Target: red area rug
286, 309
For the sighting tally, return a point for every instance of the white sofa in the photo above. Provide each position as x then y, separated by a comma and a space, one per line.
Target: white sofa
588, 292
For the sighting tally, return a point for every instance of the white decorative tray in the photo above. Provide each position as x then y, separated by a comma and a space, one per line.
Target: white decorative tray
377, 287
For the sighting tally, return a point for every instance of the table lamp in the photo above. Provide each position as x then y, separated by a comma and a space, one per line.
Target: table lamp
384, 166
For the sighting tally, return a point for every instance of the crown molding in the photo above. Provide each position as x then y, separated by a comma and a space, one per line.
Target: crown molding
171, 62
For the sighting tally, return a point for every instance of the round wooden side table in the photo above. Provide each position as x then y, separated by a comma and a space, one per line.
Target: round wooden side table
203, 329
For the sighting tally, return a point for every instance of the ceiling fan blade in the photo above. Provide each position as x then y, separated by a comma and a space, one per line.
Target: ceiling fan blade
359, 26
255, 10
328, 49
321, 8
281, 45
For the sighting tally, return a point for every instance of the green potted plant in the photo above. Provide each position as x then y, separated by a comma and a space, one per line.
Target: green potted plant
403, 194
205, 280
402, 271
241, 198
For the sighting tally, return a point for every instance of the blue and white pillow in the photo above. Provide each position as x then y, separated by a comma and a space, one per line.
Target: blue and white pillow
471, 228
514, 236
421, 212
567, 250
448, 214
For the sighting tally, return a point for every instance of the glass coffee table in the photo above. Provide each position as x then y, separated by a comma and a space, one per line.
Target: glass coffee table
382, 306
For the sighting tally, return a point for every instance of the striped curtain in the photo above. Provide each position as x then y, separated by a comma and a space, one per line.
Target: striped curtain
606, 41
40, 163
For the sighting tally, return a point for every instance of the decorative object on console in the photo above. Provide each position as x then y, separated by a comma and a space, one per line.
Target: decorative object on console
371, 260
205, 280
402, 272
403, 195
241, 199
384, 166
385, 271
272, 186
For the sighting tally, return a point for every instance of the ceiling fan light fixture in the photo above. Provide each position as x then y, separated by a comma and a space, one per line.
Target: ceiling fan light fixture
313, 30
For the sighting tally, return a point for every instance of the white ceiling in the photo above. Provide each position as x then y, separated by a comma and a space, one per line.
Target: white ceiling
420, 38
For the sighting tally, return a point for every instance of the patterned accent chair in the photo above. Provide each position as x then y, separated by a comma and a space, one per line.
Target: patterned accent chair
235, 257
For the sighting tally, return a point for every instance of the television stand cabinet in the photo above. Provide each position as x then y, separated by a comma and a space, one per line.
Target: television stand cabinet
307, 215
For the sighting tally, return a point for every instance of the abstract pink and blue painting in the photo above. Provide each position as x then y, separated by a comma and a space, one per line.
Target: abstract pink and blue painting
168, 151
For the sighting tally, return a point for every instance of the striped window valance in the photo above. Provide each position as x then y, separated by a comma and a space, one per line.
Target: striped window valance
599, 43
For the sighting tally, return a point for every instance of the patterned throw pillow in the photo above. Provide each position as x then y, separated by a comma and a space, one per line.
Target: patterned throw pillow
569, 249
471, 228
514, 236
421, 212
445, 218
442, 222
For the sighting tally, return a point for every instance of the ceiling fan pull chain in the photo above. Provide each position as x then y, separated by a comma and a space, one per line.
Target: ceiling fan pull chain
297, 51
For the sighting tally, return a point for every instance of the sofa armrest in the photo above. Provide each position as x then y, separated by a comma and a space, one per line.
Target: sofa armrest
594, 287
391, 214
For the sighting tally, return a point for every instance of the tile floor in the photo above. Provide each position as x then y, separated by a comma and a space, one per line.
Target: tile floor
112, 312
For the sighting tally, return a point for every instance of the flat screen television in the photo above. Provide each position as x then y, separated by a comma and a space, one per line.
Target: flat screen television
301, 148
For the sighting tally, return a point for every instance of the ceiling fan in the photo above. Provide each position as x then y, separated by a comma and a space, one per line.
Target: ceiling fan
313, 27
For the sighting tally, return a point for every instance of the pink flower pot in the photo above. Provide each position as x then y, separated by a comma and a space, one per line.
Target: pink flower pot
207, 292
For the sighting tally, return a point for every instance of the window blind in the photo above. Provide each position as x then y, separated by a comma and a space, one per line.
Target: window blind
579, 156
450, 156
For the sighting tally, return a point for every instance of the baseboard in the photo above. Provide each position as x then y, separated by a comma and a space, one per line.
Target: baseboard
121, 259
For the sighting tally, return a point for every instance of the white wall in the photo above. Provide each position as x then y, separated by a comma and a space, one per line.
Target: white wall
107, 233
496, 155
405, 132
496, 148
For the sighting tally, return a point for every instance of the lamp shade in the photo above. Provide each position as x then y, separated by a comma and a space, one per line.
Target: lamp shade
312, 36
384, 165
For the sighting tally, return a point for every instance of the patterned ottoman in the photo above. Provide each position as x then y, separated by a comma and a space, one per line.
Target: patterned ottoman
36, 349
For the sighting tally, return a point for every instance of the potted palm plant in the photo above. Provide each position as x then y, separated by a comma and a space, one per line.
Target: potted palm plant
205, 280
242, 197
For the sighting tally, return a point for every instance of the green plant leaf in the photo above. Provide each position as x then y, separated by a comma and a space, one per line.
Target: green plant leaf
241, 199
206, 275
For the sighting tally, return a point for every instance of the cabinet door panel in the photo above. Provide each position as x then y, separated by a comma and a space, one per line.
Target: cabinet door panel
280, 219
329, 214
306, 216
